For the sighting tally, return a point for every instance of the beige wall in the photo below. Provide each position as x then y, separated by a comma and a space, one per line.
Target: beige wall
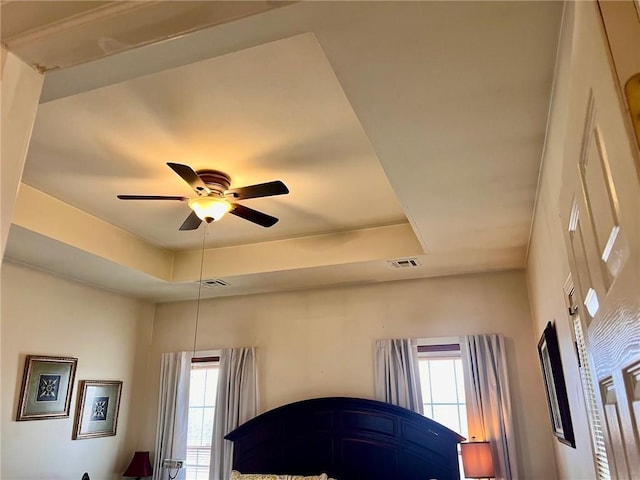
310, 343
108, 333
320, 342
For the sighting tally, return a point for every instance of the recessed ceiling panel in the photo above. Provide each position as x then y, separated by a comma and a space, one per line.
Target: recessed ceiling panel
271, 112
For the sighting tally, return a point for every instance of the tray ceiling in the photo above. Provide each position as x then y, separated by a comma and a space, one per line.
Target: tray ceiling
403, 129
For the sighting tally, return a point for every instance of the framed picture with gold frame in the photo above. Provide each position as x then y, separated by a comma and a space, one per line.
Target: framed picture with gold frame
97, 410
47, 384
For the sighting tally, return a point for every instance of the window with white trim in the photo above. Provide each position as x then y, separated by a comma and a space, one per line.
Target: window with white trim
442, 386
442, 383
202, 405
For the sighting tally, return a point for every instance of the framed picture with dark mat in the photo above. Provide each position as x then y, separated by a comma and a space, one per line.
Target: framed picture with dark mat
47, 384
97, 410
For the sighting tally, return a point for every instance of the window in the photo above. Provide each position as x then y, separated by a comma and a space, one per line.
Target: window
442, 385
202, 405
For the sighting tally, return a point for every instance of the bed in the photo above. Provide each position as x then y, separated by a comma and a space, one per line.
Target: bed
347, 438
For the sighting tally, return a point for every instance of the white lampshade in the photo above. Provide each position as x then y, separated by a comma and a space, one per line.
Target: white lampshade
209, 208
477, 461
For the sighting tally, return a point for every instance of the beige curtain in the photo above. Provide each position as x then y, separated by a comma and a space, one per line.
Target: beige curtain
237, 402
173, 412
397, 375
488, 399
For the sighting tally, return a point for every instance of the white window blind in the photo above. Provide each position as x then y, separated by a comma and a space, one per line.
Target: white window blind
597, 434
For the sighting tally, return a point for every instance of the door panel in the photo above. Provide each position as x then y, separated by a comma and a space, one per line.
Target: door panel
601, 200
612, 418
633, 392
600, 209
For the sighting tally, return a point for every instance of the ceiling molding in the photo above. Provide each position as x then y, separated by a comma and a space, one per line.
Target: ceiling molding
58, 27
84, 232
367, 244
38, 34
78, 229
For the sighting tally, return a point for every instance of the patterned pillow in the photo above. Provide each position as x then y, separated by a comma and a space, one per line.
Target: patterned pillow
253, 476
268, 476
322, 476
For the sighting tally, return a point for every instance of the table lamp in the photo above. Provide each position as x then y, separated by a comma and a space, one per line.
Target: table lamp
477, 460
139, 467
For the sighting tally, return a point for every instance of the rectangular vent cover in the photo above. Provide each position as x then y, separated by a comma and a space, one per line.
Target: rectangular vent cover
214, 282
405, 263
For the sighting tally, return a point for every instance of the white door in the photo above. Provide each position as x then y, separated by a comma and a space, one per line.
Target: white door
600, 210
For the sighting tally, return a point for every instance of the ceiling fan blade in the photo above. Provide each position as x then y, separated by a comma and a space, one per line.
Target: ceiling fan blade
191, 223
252, 215
260, 190
191, 177
152, 197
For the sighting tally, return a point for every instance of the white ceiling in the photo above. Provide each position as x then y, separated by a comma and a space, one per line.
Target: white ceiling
402, 129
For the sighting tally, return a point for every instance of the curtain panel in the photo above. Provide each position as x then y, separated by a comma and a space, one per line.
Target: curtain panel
236, 403
173, 412
397, 375
488, 400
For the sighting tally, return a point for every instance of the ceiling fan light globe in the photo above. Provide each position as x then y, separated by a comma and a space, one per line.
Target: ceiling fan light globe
209, 208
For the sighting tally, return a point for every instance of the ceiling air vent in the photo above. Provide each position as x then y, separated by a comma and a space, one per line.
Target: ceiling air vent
405, 263
214, 282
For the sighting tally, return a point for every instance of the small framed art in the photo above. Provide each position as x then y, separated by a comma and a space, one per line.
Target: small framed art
549, 352
47, 384
97, 410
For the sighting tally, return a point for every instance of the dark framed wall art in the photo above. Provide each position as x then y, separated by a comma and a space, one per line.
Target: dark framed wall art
558, 402
97, 410
47, 384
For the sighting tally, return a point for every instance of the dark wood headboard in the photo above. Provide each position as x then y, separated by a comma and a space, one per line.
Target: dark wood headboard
347, 438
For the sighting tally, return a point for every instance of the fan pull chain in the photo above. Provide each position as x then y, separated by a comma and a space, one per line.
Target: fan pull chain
195, 330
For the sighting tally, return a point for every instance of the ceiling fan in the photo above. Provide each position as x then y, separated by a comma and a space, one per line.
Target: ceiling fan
215, 198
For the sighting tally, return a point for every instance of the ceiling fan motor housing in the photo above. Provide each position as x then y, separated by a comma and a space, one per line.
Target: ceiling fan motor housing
216, 180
